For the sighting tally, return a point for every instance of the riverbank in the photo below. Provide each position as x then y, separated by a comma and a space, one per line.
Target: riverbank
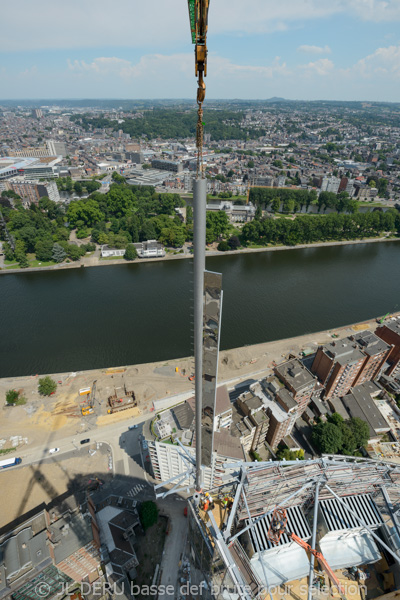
156, 383
94, 261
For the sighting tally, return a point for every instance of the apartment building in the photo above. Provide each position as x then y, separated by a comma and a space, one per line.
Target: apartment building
376, 353
31, 191
298, 380
390, 333
167, 165
253, 408
337, 366
168, 460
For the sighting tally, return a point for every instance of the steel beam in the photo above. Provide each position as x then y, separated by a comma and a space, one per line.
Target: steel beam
355, 515
239, 488
257, 545
199, 262
285, 501
313, 541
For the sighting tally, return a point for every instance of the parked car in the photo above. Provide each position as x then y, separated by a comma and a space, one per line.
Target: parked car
144, 445
86, 441
133, 427
54, 450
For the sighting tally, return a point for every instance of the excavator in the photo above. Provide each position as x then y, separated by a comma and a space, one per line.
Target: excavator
198, 16
278, 527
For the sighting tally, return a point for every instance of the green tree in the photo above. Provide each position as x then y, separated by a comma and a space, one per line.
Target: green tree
360, 431
287, 454
47, 386
74, 252
20, 254
275, 205
44, 250
130, 252
234, 242
12, 396
223, 246
58, 254
327, 437
372, 183
148, 513
250, 164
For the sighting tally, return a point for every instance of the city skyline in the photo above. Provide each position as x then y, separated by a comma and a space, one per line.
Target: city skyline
297, 50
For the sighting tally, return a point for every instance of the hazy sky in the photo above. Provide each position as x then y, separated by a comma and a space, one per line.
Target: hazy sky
298, 49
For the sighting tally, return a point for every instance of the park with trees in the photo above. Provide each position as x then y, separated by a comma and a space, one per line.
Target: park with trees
128, 214
340, 436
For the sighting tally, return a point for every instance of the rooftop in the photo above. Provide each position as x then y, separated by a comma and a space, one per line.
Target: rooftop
370, 343
295, 374
343, 351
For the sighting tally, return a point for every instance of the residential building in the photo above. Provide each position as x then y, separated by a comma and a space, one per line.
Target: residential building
52, 547
168, 460
223, 408
31, 191
167, 165
337, 366
390, 333
253, 408
299, 381
149, 249
330, 184
376, 353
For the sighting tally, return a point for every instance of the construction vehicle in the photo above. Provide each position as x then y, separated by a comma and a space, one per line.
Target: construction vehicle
382, 319
88, 408
278, 527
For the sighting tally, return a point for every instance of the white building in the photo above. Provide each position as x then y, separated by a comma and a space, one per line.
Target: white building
330, 184
168, 460
106, 252
150, 249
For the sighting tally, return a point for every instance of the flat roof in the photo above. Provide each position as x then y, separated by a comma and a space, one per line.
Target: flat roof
343, 351
295, 373
360, 404
370, 343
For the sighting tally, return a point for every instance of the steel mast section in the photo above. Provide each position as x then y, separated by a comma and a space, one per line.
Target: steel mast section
198, 15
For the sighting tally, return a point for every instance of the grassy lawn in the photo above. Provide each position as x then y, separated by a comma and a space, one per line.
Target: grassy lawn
41, 263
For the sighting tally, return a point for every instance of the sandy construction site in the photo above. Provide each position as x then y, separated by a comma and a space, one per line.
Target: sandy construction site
32, 422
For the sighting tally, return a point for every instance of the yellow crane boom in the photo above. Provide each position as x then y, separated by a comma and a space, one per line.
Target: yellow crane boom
198, 15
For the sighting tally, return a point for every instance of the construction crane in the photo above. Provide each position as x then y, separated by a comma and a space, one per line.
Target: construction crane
198, 15
278, 527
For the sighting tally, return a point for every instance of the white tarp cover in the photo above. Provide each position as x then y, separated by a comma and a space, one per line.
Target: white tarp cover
349, 549
281, 564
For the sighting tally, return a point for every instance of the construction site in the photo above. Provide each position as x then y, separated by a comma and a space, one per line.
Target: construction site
259, 537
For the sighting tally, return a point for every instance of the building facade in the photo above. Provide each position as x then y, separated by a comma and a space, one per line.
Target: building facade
390, 333
337, 366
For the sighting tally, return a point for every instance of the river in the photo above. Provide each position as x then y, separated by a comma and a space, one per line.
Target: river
77, 319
